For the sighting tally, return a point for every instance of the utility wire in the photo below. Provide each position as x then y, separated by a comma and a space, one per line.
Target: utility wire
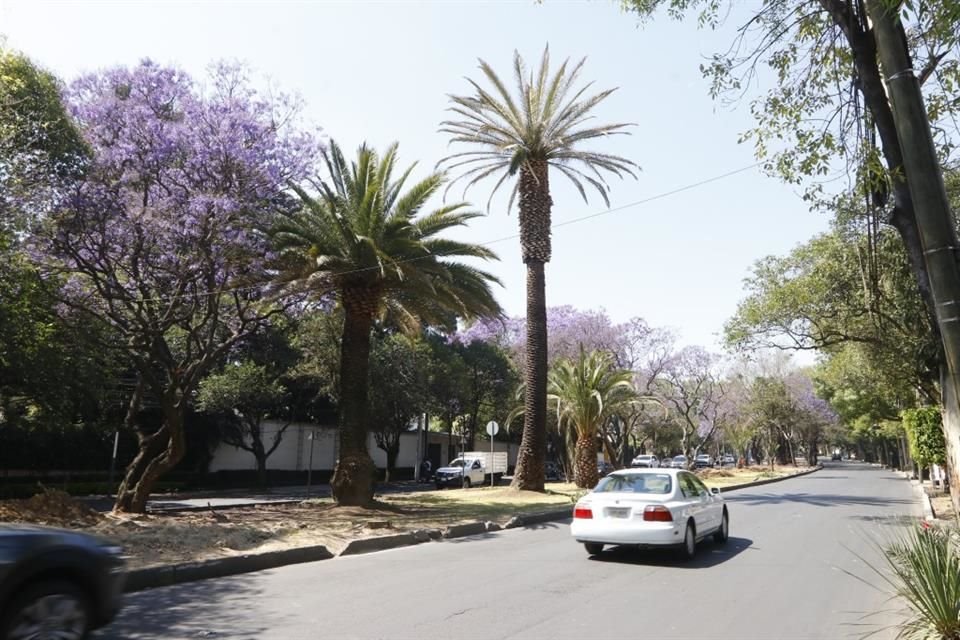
514, 236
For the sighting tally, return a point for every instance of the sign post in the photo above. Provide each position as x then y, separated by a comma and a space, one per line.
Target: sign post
492, 429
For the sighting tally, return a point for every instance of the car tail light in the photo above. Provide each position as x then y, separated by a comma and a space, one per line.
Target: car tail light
657, 513
583, 512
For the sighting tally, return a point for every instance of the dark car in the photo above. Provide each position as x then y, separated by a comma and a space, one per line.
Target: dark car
553, 471
835, 456
56, 583
603, 468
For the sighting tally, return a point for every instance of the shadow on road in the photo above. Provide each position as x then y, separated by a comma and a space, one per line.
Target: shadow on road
709, 554
206, 609
816, 499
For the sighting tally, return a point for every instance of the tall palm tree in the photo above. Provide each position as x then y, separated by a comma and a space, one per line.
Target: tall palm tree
542, 126
362, 239
587, 392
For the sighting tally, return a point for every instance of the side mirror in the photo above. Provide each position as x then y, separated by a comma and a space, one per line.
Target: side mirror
715, 491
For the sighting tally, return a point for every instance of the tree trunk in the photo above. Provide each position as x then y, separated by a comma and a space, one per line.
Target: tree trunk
535, 204
259, 452
354, 475
933, 213
392, 451
585, 464
158, 454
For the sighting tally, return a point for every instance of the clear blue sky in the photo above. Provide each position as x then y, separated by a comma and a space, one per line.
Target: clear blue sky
380, 71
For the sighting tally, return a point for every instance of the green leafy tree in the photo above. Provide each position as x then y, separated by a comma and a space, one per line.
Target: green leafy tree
523, 135
250, 393
362, 240
398, 389
587, 392
832, 61
925, 434
39, 144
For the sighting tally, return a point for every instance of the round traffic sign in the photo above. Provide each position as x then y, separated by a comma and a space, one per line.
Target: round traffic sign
492, 428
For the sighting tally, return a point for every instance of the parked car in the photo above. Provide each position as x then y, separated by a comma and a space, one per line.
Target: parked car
678, 462
702, 461
603, 468
727, 460
650, 508
56, 583
645, 460
473, 469
836, 456
554, 471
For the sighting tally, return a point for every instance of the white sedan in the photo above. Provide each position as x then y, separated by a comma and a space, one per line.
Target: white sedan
650, 508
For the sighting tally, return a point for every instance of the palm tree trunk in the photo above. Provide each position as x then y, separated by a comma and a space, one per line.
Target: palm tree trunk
535, 206
585, 470
353, 477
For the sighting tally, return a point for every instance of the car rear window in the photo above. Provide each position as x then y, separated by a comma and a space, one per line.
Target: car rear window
659, 483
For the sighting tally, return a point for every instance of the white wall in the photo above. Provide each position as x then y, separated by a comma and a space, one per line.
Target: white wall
293, 453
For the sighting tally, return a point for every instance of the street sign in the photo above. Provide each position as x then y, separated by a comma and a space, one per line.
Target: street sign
492, 428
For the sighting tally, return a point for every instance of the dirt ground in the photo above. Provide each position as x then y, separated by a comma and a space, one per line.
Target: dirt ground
942, 507
180, 537
187, 536
731, 475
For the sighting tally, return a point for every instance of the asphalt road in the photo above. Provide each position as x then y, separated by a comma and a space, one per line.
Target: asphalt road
784, 573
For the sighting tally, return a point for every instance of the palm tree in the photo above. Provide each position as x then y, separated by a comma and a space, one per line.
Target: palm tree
362, 239
587, 392
542, 126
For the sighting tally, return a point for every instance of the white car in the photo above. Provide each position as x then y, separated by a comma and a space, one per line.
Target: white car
645, 460
650, 508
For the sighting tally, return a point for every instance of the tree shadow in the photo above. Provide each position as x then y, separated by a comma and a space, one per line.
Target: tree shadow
817, 500
709, 554
204, 609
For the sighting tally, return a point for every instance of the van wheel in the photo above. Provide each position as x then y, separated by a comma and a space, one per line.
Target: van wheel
466, 483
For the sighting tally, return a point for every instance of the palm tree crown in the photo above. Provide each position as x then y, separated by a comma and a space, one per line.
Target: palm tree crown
546, 120
363, 237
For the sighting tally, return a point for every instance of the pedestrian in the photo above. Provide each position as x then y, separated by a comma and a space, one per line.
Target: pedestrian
425, 469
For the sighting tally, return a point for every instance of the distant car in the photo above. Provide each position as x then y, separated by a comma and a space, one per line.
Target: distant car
645, 461
603, 468
650, 508
56, 583
703, 460
836, 456
553, 471
678, 462
727, 459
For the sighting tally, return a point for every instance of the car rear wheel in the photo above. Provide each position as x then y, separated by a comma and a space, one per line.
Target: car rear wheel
50, 609
721, 534
593, 548
689, 548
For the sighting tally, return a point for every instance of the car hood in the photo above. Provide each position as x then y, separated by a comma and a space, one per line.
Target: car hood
449, 469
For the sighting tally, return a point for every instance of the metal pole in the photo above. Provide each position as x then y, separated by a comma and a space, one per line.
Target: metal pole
113, 460
492, 466
311, 437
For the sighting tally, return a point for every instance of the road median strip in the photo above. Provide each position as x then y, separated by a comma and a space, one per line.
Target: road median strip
757, 483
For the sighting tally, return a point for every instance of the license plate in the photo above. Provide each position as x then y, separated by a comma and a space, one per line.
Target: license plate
617, 512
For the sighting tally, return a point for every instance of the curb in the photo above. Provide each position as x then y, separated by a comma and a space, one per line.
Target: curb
167, 575
539, 518
380, 543
925, 504
465, 529
220, 507
757, 483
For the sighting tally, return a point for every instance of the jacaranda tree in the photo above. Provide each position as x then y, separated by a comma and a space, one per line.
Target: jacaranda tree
158, 240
